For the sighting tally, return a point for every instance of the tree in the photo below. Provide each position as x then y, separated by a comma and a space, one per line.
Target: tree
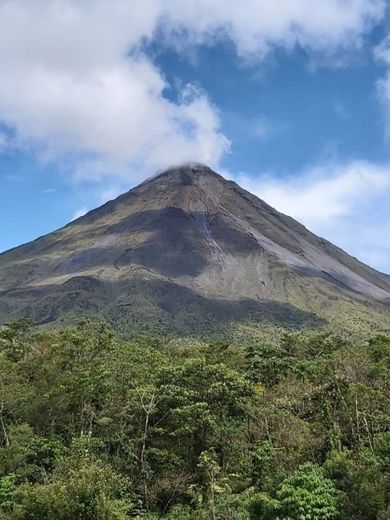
308, 494
81, 488
7, 490
363, 479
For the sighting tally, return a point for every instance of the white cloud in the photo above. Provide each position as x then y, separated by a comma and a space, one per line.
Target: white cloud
345, 203
256, 26
69, 84
75, 80
79, 213
324, 192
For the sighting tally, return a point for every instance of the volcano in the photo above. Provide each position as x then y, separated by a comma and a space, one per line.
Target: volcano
189, 251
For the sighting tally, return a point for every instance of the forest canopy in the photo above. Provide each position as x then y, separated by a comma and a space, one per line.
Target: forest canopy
94, 426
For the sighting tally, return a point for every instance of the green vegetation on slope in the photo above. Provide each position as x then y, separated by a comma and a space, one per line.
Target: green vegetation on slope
93, 427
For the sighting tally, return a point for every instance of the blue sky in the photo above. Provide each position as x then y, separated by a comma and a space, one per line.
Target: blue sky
290, 101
